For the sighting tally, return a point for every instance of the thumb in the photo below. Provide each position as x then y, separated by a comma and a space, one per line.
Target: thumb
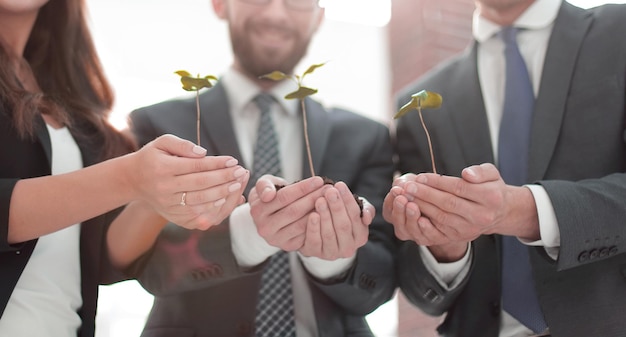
480, 173
179, 147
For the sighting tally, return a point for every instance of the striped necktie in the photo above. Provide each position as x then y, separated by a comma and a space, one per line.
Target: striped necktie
275, 315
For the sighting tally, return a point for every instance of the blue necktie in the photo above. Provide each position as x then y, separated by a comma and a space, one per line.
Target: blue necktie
519, 297
275, 316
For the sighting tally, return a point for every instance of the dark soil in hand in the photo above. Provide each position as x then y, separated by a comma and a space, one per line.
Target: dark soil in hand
329, 181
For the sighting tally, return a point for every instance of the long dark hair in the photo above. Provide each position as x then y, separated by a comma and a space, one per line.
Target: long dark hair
74, 89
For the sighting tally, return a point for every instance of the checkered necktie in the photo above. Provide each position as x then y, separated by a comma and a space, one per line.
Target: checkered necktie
519, 297
275, 316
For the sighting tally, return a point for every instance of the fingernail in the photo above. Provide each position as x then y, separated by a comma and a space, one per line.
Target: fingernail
231, 162
266, 190
421, 179
219, 202
317, 181
343, 189
470, 172
234, 187
198, 150
240, 172
398, 204
410, 211
411, 188
333, 196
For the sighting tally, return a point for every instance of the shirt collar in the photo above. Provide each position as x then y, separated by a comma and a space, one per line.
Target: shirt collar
241, 90
540, 14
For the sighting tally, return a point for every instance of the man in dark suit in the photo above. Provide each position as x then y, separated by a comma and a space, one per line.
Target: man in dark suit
569, 212
341, 262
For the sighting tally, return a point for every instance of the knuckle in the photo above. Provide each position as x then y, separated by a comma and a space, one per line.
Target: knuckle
361, 241
439, 218
291, 212
346, 253
290, 246
460, 187
494, 197
451, 203
264, 231
343, 227
328, 236
485, 218
283, 198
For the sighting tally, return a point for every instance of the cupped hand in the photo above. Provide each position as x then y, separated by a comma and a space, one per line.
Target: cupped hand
184, 185
281, 215
404, 214
336, 229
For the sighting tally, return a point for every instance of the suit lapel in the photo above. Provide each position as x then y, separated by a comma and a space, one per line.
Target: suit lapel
217, 127
319, 131
567, 36
470, 121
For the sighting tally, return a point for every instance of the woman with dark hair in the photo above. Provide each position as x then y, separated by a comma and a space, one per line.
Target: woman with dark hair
65, 174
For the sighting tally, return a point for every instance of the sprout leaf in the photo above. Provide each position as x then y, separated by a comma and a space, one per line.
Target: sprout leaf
301, 93
423, 99
312, 68
191, 83
275, 75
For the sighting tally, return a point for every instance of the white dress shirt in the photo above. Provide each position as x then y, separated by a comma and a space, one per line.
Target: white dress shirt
249, 248
536, 23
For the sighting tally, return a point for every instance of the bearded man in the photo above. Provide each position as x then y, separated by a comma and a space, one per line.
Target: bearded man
340, 261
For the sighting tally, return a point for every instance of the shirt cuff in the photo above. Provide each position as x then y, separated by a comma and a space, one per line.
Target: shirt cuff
249, 248
326, 269
548, 224
448, 275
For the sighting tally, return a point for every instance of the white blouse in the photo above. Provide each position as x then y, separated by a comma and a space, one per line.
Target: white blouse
48, 294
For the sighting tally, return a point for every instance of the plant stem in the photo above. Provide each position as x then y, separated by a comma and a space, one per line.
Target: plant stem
306, 138
198, 115
430, 145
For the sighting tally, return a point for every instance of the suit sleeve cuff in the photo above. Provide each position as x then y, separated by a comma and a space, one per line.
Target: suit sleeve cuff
448, 275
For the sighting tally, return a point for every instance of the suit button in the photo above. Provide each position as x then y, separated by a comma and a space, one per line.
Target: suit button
613, 250
593, 254
367, 282
584, 256
604, 252
495, 309
431, 296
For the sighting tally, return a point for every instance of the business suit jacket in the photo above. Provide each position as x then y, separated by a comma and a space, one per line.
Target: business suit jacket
21, 159
201, 291
577, 153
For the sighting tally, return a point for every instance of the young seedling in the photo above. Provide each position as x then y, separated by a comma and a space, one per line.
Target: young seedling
427, 100
195, 84
301, 93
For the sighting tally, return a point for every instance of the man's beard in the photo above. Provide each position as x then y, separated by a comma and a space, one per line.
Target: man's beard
256, 64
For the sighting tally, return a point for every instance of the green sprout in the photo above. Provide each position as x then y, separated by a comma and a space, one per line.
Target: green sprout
301, 93
195, 84
427, 100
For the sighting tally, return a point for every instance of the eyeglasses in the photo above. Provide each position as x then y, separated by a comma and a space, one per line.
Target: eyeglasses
299, 5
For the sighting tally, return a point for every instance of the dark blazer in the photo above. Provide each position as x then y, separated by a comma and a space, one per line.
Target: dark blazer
199, 288
22, 159
578, 154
